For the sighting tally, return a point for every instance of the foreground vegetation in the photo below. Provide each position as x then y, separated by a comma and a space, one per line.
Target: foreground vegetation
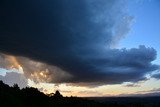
32, 97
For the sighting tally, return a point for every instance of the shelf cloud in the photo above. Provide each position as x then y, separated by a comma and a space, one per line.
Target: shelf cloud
72, 41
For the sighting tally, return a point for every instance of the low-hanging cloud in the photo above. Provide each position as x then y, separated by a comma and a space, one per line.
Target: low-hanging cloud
71, 41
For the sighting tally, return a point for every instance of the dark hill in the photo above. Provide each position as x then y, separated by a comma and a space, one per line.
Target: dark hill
32, 97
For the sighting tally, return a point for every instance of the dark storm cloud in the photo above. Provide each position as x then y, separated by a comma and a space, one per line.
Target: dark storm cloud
116, 66
77, 36
157, 76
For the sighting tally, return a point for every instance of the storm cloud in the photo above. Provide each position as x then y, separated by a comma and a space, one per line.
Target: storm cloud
73, 41
157, 76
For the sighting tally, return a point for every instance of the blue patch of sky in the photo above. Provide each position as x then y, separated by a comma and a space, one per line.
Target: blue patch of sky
146, 26
3, 71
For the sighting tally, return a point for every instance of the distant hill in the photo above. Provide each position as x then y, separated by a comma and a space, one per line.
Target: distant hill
153, 101
32, 97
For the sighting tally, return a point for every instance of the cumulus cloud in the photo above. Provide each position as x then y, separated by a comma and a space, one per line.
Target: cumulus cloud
42, 72
12, 78
72, 41
36, 71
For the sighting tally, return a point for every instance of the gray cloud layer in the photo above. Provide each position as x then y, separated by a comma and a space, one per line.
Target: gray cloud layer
75, 37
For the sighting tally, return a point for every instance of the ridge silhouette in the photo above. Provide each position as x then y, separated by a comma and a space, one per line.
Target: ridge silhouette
32, 97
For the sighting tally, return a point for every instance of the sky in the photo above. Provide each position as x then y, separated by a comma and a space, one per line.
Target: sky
145, 29
81, 48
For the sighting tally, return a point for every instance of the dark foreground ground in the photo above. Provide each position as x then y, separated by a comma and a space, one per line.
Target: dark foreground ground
129, 101
31, 97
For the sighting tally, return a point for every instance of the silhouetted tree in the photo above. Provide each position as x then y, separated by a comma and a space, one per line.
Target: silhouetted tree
16, 87
58, 94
